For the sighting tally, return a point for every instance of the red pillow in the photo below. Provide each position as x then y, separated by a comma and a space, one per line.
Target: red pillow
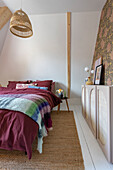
53, 87
12, 84
45, 83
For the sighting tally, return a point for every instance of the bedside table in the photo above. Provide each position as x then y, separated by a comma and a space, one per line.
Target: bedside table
66, 99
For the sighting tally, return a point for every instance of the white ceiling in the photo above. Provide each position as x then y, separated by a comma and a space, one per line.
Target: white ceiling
54, 6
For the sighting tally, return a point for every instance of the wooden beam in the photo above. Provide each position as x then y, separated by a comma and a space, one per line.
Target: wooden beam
69, 51
5, 15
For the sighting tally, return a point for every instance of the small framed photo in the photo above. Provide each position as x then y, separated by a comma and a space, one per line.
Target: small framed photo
99, 61
98, 74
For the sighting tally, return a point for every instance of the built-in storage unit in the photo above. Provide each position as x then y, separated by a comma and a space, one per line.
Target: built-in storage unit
90, 107
98, 111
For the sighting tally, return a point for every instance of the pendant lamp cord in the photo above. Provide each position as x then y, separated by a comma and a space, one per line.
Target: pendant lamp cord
21, 5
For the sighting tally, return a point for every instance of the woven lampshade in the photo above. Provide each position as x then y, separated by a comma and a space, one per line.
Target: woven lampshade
20, 24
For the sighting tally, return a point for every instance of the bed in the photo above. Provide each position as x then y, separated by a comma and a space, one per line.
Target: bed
25, 115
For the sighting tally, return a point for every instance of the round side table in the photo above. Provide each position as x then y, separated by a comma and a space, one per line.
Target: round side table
66, 99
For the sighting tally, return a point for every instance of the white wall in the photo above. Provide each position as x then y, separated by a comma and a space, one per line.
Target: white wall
43, 56
83, 39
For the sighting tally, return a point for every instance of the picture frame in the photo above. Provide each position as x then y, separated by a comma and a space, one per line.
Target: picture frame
98, 74
98, 62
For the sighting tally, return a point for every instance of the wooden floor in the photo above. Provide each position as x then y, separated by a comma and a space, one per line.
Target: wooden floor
94, 158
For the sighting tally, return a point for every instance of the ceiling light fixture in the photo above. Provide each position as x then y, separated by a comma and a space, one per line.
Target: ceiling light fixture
20, 24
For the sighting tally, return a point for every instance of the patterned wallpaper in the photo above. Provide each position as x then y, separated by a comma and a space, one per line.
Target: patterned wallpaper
104, 44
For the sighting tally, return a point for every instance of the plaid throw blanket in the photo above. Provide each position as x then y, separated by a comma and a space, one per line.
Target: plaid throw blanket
34, 106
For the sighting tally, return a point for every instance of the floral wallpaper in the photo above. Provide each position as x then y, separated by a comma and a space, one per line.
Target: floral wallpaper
104, 44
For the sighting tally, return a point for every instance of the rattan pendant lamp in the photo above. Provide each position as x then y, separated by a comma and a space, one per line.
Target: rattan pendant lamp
20, 24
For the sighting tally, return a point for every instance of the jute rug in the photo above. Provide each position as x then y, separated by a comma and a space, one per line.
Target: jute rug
61, 149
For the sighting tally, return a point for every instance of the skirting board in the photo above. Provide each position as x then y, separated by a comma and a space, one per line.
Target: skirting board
71, 102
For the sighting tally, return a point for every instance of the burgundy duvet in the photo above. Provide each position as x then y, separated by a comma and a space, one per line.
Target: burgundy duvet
17, 130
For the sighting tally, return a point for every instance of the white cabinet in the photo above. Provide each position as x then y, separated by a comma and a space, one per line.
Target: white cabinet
103, 119
90, 107
99, 115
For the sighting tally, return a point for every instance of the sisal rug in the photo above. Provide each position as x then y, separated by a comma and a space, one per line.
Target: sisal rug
61, 149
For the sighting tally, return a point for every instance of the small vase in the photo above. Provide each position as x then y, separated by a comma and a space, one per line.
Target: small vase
89, 82
61, 95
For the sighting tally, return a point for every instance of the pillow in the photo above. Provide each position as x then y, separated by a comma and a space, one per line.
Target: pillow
22, 86
45, 83
53, 87
12, 84
44, 88
38, 87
